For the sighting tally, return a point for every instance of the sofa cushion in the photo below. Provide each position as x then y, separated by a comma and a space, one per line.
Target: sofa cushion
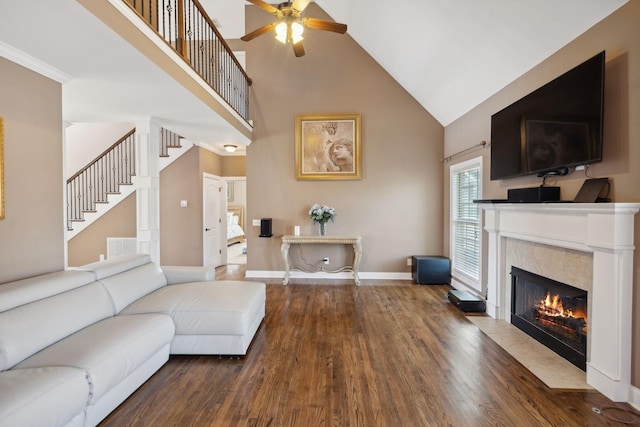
29, 328
180, 274
128, 286
109, 350
206, 308
115, 265
50, 396
20, 292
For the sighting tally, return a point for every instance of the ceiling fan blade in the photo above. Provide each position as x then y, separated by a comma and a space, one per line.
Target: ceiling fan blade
300, 5
320, 24
298, 49
260, 31
263, 5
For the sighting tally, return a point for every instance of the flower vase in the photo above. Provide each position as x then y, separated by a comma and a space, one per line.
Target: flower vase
323, 228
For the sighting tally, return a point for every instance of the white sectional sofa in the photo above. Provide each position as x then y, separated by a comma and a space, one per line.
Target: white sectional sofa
75, 344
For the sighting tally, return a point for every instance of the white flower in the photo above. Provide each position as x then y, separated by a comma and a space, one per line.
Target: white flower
321, 213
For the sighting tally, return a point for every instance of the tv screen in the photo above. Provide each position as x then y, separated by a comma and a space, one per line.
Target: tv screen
553, 129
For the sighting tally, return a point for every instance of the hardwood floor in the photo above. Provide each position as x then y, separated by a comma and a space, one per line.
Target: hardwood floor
388, 353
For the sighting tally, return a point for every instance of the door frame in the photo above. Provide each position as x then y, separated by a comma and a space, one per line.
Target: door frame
245, 226
222, 204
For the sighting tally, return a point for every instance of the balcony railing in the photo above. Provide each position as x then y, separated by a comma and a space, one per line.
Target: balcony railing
186, 27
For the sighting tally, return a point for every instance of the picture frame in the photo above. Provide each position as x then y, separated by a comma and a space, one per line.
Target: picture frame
328, 146
230, 192
1, 168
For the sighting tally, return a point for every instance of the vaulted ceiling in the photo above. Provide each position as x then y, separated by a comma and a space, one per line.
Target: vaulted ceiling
450, 55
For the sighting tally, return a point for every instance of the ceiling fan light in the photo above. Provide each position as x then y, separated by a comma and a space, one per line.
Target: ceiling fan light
281, 32
230, 148
296, 32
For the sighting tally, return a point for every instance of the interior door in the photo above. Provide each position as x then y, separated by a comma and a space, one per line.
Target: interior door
212, 222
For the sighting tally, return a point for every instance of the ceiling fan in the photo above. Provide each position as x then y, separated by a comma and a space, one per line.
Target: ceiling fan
290, 24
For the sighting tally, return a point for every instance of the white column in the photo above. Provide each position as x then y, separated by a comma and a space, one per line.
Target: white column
609, 362
148, 193
495, 269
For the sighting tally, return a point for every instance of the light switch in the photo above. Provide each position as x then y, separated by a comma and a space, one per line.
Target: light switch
256, 223
184, 203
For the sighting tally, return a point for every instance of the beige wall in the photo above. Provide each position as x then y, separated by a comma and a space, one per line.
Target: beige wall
619, 35
181, 228
234, 166
209, 162
89, 244
176, 223
32, 233
396, 206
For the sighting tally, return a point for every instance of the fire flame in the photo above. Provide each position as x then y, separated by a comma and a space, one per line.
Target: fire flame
552, 306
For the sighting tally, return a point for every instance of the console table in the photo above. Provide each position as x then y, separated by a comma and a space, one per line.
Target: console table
288, 240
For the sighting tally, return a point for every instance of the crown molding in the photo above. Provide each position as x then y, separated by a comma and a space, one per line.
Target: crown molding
33, 64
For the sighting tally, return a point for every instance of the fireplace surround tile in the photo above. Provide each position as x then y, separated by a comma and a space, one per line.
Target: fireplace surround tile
560, 264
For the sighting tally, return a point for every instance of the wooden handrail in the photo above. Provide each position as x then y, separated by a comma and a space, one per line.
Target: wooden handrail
104, 175
101, 177
223, 41
101, 155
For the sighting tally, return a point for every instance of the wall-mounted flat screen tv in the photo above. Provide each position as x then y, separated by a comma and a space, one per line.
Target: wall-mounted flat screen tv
553, 129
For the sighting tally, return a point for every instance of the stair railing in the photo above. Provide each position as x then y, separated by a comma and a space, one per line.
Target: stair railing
103, 176
168, 140
187, 28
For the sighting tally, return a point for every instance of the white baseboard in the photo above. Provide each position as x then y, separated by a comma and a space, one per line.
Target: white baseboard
634, 397
323, 275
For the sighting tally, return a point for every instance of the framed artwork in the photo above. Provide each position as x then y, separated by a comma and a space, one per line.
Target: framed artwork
328, 146
1, 168
229, 191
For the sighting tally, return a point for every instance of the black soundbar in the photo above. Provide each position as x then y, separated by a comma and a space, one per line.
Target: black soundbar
533, 194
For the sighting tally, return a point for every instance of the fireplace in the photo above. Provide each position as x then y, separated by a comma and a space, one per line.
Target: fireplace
553, 313
605, 231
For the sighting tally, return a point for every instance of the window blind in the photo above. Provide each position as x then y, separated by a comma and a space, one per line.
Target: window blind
466, 221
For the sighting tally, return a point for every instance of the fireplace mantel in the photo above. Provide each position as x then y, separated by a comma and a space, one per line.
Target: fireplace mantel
606, 231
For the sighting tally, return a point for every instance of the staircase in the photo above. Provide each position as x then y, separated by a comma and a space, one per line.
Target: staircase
110, 178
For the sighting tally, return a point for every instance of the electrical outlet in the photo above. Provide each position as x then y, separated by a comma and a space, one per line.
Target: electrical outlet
326, 260
256, 223
409, 261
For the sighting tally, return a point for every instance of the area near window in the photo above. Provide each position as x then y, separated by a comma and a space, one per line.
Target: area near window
466, 180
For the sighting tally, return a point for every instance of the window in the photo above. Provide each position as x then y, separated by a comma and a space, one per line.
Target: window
466, 180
